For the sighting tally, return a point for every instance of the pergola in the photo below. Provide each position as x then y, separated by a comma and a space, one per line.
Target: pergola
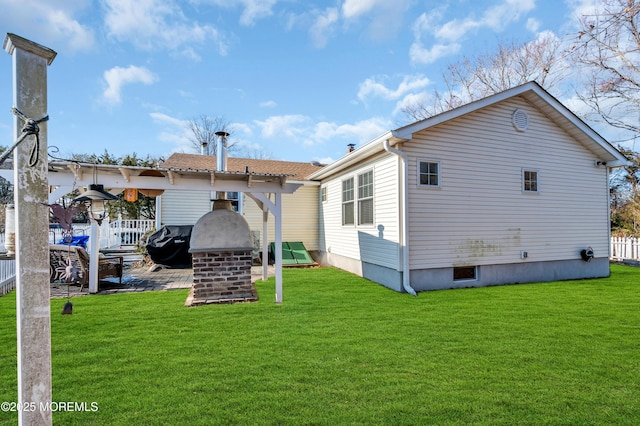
265, 189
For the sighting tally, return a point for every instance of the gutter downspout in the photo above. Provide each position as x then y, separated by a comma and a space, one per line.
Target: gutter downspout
404, 215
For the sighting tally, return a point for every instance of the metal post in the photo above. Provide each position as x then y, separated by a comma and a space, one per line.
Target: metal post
31, 189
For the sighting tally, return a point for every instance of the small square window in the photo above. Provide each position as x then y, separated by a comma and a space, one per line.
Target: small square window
465, 273
530, 181
428, 173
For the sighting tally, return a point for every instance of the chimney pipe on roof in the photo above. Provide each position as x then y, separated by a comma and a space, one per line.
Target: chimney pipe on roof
221, 152
221, 165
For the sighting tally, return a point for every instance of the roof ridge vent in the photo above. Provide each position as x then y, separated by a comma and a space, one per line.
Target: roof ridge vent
520, 120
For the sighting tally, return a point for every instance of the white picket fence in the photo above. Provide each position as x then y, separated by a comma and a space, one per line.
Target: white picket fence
7, 276
625, 248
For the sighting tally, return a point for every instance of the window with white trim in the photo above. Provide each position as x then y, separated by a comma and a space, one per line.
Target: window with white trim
365, 198
530, 180
348, 207
429, 173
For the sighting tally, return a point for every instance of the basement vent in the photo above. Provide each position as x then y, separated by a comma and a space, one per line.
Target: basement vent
520, 120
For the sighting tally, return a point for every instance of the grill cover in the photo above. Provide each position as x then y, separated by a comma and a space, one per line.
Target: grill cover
169, 246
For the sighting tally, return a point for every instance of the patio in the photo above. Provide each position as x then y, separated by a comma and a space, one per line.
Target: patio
138, 279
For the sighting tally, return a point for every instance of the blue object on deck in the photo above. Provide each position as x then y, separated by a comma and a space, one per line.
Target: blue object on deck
78, 240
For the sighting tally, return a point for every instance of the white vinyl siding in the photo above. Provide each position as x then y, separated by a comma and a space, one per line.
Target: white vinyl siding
299, 216
184, 207
299, 213
480, 216
377, 243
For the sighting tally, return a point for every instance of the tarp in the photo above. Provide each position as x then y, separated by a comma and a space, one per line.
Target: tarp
169, 246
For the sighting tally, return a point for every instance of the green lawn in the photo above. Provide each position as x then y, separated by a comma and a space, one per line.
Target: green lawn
342, 350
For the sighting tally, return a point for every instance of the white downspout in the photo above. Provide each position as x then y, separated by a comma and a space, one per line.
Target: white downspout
404, 215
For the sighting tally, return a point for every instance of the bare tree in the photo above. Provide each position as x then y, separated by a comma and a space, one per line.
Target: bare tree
254, 153
203, 138
608, 46
625, 196
511, 65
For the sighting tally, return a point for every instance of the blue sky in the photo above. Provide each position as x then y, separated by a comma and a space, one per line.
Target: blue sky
296, 79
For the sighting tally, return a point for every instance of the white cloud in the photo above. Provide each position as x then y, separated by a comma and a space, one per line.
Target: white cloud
252, 10
420, 55
51, 23
255, 9
159, 24
448, 35
322, 28
373, 88
117, 77
283, 126
362, 131
354, 8
173, 131
268, 104
302, 130
533, 25
411, 100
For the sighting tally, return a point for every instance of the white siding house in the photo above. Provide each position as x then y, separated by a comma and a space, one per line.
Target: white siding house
508, 189
299, 210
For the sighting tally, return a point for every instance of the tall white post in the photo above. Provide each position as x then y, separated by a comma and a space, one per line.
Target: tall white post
265, 243
278, 223
94, 251
31, 189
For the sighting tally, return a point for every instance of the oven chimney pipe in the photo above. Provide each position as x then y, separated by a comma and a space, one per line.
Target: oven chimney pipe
221, 165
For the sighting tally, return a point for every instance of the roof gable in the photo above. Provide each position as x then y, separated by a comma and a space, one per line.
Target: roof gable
296, 170
533, 93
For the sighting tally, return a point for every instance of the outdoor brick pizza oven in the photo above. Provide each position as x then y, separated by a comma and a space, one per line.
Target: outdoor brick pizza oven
221, 249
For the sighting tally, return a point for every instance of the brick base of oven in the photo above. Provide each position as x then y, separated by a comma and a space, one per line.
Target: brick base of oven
222, 277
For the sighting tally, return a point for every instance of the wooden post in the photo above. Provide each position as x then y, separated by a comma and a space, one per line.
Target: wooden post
31, 189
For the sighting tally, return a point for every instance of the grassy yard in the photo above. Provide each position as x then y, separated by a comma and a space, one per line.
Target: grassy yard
342, 350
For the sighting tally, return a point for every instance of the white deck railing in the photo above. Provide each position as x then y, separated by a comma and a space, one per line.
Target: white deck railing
625, 248
117, 233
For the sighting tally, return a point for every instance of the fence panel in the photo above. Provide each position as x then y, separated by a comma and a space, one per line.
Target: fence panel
625, 248
7, 276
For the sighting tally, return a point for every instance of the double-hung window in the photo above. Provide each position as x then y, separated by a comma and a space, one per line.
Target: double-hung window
348, 207
365, 198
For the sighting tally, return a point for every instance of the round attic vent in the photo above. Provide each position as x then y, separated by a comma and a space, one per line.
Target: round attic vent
520, 120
